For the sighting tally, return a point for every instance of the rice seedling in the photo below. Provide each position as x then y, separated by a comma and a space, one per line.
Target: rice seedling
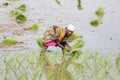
79, 6
20, 18
74, 37
73, 65
9, 2
94, 23
17, 15
118, 63
14, 12
32, 66
13, 0
78, 43
40, 43
99, 13
9, 41
6, 4
58, 2
22, 7
32, 27
75, 53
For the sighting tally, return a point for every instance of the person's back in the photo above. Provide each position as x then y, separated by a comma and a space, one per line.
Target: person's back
54, 32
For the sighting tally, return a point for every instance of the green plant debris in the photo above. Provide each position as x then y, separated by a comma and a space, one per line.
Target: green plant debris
94, 23
22, 7
9, 41
20, 18
6, 4
100, 12
14, 12
58, 2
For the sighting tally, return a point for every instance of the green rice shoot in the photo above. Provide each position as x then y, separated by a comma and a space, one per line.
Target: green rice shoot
100, 12
58, 2
33, 27
21, 18
94, 23
22, 7
6, 4
14, 12
9, 41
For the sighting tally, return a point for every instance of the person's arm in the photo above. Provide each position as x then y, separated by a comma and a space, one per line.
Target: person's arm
63, 44
60, 45
60, 35
67, 44
69, 47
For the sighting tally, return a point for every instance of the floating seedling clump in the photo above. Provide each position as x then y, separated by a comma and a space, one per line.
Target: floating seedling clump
58, 2
9, 41
22, 7
14, 12
99, 13
6, 4
79, 6
17, 14
20, 18
33, 27
94, 23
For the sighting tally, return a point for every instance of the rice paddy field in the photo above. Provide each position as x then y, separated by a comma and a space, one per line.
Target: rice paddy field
95, 53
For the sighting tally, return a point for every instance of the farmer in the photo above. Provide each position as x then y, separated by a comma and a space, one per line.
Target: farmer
57, 36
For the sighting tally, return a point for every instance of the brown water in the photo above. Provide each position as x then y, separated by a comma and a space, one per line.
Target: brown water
104, 38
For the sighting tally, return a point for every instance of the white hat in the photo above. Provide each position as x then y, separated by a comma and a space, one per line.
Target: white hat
70, 27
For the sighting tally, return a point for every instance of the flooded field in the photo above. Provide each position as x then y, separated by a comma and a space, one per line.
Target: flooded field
105, 38
77, 64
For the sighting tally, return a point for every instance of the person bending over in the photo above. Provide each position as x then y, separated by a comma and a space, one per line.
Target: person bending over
57, 36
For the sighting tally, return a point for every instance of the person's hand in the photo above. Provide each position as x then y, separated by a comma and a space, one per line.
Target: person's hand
69, 49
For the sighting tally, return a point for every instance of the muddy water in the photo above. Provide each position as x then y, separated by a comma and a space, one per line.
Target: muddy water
104, 38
